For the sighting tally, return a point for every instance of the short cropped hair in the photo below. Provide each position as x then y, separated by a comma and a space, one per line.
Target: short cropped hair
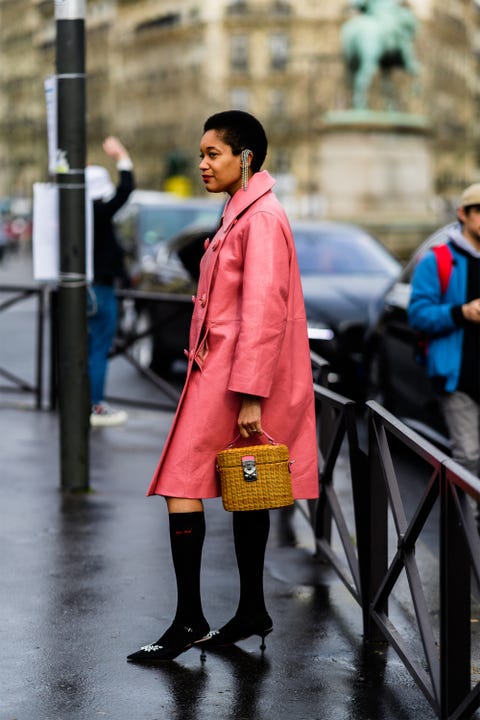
240, 130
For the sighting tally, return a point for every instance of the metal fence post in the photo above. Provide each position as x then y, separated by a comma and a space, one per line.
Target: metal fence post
455, 590
374, 562
325, 419
39, 348
359, 462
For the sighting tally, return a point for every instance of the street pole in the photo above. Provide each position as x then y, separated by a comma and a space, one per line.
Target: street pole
74, 402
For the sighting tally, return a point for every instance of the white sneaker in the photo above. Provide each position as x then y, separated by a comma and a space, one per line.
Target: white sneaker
103, 415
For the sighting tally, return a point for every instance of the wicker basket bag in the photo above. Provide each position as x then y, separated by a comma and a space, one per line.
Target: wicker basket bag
256, 477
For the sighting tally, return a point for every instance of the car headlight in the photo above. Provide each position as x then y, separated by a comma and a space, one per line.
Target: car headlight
319, 331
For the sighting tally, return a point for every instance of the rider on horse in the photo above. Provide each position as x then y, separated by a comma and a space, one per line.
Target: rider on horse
380, 37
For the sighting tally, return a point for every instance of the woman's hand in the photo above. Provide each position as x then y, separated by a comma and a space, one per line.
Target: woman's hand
250, 416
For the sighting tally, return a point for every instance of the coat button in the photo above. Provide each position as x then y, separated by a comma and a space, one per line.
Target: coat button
194, 299
206, 243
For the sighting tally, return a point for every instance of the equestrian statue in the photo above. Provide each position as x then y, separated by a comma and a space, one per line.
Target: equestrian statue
379, 37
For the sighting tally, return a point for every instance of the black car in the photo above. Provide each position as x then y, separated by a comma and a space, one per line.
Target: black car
145, 224
397, 375
344, 271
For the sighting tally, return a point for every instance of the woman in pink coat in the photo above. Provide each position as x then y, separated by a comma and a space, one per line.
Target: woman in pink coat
248, 371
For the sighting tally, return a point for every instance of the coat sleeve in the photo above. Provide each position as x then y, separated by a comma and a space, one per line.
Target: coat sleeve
428, 311
263, 312
126, 183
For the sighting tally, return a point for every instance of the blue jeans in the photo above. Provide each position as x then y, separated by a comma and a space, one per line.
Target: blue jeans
102, 325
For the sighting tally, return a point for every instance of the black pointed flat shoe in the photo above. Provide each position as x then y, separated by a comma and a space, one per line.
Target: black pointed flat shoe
175, 641
239, 628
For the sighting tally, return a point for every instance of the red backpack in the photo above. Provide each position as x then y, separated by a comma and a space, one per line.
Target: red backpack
444, 259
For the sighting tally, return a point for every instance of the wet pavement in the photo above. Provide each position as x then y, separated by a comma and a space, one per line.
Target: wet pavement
87, 579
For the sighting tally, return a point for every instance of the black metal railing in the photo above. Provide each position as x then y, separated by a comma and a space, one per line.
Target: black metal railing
336, 426
444, 674
380, 545
124, 344
385, 494
460, 574
13, 295
125, 341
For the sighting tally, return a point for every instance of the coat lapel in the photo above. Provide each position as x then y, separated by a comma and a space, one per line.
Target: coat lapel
259, 184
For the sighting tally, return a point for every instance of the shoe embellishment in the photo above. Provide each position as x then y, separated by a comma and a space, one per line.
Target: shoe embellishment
155, 647
212, 634
176, 640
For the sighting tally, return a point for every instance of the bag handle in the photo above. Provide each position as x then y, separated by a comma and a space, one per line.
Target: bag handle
269, 438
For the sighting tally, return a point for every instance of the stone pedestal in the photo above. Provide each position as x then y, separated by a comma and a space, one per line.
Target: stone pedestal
376, 168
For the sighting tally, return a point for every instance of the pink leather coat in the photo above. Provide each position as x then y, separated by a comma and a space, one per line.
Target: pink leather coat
248, 335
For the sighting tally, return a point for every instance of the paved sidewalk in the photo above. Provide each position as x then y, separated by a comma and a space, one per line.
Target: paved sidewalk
87, 579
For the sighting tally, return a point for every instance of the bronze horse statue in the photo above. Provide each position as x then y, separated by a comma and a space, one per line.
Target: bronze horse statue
379, 37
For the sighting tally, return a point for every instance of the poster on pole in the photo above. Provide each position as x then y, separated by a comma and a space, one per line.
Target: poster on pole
50, 86
46, 234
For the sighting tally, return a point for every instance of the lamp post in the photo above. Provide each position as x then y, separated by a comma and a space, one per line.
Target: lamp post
74, 403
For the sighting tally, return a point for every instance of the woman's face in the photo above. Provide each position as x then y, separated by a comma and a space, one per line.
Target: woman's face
220, 168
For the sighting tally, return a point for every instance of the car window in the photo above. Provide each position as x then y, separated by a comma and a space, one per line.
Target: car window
159, 223
339, 251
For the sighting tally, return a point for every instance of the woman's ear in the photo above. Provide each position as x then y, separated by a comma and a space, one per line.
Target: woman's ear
246, 157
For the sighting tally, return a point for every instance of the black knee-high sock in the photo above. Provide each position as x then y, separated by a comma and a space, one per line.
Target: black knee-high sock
250, 534
187, 533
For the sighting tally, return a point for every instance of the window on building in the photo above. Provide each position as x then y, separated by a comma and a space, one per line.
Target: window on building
281, 7
239, 53
240, 99
237, 6
161, 21
279, 51
277, 102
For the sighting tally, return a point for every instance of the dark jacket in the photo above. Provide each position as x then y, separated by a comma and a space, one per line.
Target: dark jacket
108, 256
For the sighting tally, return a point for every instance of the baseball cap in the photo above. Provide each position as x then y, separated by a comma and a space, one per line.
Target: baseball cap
470, 196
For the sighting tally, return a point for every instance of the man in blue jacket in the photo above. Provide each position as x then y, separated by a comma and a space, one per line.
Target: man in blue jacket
450, 319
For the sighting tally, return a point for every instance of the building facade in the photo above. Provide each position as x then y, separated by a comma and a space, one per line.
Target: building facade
157, 68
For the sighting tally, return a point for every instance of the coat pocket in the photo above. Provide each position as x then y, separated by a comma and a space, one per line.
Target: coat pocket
202, 351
